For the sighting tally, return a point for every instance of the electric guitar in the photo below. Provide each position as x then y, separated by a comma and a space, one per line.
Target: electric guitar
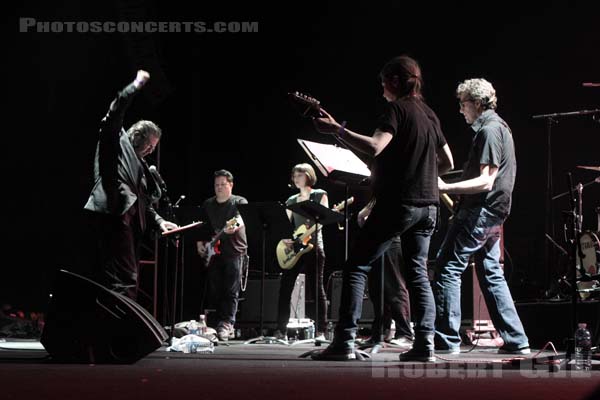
212, 248
450, 204
289, 251
310, 107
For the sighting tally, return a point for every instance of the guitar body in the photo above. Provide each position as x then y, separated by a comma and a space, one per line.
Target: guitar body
289, 252
211, 248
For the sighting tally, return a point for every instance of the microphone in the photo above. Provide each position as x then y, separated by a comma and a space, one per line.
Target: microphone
157, 177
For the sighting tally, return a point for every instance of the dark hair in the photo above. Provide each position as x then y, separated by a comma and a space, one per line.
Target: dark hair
408, 72
140, 131
143, 129
223, 172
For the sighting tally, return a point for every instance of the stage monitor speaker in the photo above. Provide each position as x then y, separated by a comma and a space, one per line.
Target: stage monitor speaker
88, 323
249, 309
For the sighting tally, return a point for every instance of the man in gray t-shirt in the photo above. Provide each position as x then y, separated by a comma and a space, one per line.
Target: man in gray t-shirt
486, 189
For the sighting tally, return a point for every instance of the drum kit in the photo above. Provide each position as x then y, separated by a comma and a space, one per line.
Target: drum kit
586, 244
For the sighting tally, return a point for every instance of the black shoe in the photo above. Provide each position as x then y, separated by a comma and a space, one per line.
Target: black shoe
334, 354
418, 355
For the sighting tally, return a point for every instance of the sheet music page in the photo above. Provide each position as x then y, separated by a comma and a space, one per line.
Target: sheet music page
333, 158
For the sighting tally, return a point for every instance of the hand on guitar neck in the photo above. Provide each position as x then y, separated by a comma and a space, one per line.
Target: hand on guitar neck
324, 122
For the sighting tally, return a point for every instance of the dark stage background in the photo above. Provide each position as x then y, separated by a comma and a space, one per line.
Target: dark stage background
220, 99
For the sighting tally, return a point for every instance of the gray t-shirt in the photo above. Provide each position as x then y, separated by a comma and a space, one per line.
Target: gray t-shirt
493, 145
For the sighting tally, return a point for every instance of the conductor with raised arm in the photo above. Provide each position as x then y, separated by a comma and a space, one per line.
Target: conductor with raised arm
120, 204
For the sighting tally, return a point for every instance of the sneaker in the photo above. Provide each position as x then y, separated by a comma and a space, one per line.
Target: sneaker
334, 354
522, 351
418, 355
402, 342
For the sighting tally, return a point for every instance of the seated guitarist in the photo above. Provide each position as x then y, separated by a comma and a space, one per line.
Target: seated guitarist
224, 274
304, 178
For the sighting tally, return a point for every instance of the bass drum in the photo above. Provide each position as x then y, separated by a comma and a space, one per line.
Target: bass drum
589, 245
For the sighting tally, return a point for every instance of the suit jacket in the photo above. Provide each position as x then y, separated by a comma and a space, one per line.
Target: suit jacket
121, 178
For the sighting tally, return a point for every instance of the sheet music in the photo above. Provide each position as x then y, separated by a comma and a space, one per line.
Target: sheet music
329, 158
182, 228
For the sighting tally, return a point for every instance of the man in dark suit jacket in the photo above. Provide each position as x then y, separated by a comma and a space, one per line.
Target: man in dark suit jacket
121, 200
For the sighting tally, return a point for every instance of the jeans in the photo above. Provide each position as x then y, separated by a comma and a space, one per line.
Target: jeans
396, 297
415, 226
224, 277
474, 230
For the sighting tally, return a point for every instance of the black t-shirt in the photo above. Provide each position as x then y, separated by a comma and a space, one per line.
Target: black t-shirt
315, 195
407, 168
218, 214
492, 145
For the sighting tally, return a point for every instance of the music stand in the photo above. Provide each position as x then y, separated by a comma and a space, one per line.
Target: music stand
322, 216
176, 234
265, 217
338, 165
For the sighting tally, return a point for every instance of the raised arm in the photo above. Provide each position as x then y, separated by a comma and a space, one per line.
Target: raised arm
113, 121
370, 145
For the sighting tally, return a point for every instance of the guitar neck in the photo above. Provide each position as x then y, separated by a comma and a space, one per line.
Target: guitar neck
447, 202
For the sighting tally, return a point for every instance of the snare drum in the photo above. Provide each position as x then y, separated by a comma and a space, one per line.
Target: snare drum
590, 247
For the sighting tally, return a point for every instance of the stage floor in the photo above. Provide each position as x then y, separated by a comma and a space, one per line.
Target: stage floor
239, 370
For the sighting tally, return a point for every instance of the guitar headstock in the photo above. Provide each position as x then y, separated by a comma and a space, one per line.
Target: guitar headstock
340, 206
311, 106
232, 223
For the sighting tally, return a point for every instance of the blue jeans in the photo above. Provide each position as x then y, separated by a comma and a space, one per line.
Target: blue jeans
474, 230
415, 226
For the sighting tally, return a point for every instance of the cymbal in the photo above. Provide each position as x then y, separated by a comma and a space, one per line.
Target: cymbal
591, 168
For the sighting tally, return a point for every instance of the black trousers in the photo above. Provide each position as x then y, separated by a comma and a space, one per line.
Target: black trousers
288, 279
116, 255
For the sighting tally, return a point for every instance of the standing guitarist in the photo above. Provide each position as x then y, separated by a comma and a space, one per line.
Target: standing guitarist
304, 178
224, 274
486, 197
406, 146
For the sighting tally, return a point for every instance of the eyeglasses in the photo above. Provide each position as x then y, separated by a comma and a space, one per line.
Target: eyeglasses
462, 102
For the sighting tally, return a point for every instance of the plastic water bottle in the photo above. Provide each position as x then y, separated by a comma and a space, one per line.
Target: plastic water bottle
202, 324
193, 328
311, 332
583, 348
